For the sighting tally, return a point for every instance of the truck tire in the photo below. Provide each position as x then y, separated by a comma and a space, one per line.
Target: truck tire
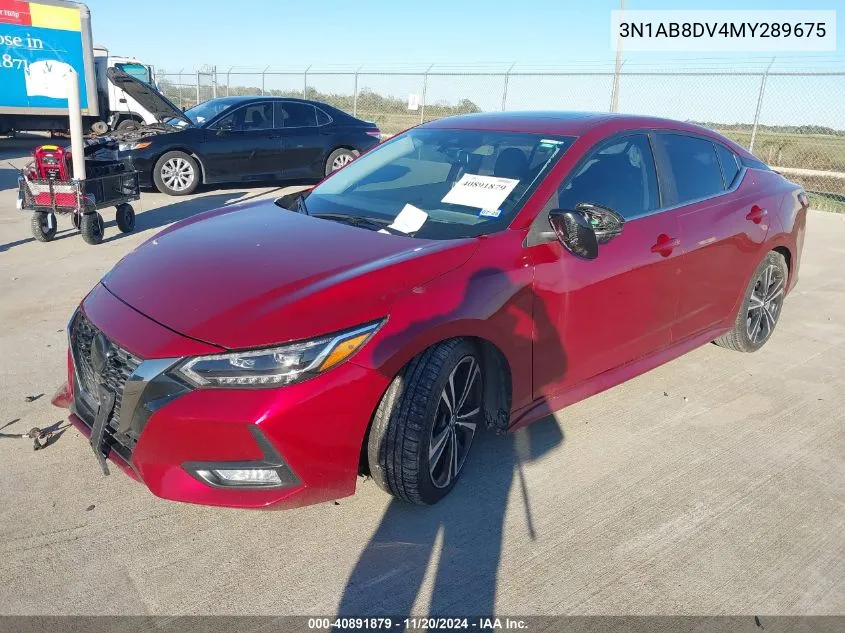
43, 226
91, 228
127, 124
176, 174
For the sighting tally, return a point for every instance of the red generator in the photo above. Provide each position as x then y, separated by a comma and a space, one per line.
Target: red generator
52, 161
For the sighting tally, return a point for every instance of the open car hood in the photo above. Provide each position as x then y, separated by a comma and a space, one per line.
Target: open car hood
148, 96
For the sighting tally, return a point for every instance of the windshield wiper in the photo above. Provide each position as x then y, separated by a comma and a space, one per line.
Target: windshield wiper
355, 220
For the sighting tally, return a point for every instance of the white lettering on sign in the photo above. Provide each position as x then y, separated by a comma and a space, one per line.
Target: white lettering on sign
480, 192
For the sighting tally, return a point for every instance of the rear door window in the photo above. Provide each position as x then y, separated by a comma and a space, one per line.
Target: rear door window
693, 168
290, 114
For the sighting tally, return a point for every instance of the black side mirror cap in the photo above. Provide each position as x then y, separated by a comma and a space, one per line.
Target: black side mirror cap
575, 232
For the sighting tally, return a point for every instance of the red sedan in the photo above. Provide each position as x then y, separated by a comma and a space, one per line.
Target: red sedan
475, 272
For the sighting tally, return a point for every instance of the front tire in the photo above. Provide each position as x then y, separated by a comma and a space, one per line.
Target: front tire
176, 174
761, 307
43, 226
425, 423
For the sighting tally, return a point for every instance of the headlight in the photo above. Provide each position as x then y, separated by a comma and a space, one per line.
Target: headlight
125, 147
276, 366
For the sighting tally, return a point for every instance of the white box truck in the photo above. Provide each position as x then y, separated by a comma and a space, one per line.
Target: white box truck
39, 42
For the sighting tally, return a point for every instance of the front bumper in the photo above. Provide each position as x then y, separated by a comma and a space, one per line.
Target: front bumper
315, 428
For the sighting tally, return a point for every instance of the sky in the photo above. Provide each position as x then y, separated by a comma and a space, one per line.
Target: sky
479, 34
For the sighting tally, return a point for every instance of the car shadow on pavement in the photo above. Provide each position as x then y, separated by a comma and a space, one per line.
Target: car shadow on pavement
469, 521
162, 216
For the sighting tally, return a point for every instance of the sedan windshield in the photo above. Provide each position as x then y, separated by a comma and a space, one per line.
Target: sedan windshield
204, 112
439, 183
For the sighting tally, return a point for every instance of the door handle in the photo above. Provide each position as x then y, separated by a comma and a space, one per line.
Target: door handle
665, 245
756, 214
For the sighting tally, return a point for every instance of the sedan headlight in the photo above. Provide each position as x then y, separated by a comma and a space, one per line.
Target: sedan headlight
126, 147
275, 366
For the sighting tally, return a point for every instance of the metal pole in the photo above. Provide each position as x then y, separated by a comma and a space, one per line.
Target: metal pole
198, 87
425, 88
181, 107
214, 82
228, 73
505, 91
614, 93
74, 111
759, 106
355, 94
263, 72
305, 83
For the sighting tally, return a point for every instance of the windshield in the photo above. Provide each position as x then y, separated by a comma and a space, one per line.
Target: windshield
204, 112
442, 184
138, 71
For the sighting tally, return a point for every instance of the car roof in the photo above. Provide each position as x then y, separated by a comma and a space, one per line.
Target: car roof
575, 124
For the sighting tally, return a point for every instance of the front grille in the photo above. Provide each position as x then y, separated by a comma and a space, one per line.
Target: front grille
119, 366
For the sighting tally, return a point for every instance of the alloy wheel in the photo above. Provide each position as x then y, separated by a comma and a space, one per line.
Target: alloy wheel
455, 422
341, 161
177, 174
765, 304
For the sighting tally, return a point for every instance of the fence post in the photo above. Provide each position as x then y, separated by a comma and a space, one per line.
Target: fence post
198, 87
355, 94
425, 88
505, 91
214, 82
305, 82
263, 72
181, 87
228, 73
614, 91
759, 106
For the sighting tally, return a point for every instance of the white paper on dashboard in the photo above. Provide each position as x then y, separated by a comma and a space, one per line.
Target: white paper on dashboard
409, 220
481, 192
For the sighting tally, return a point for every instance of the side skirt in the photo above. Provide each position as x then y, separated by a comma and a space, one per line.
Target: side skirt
556, 401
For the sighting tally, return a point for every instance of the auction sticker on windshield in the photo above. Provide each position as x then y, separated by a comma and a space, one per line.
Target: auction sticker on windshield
480, 192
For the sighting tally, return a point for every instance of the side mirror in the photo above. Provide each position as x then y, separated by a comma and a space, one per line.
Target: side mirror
606, 223
575, 232
224, 128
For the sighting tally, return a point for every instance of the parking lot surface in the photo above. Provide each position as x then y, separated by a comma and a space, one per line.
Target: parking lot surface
714, 484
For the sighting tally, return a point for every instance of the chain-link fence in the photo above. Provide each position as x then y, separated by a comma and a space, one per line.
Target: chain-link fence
793, 120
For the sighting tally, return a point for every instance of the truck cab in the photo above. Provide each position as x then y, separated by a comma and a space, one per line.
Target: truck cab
124, 111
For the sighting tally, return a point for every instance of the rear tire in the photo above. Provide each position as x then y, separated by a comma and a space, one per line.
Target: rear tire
341, 157
761, 306
417, 448
91, 227
43, 226
176, 174
125, 217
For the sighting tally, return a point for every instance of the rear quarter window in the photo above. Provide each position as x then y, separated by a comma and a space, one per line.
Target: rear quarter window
729, 164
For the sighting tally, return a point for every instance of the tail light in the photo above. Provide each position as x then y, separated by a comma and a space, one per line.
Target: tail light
374, 132
804, 199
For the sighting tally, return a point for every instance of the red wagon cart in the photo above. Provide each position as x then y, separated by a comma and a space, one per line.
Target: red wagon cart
113, 183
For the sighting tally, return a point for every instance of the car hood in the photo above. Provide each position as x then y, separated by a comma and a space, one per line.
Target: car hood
254, 274
148, 96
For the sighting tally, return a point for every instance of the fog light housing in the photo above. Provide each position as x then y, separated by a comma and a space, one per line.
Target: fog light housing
241, 477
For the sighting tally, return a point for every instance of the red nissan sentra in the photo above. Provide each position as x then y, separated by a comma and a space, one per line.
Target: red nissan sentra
475, 272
